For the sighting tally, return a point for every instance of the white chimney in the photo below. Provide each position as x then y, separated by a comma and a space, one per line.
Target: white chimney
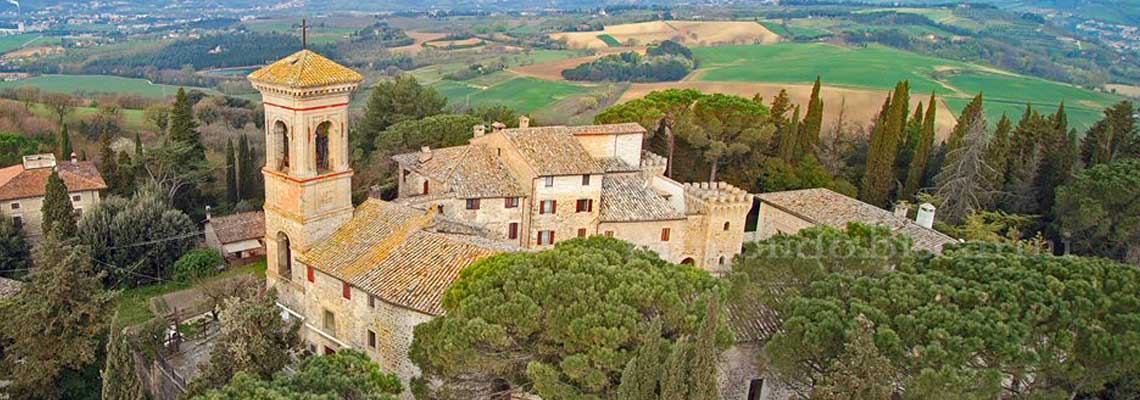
524, 121
74, 158
425, 154
498, 126
901, 209
925, 216
207, 213
480, 130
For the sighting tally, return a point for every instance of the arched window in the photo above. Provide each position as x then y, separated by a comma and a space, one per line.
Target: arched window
322, 147
284, 256
726, 225
426, 186
281, 134
688, 261
721, 261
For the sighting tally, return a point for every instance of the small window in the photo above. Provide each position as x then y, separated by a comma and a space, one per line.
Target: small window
330, 322
404, 175
610, 234
721, 261
472, 204
664, 234
77, 197
371, 301
312, 275
549, 181
511, 202
726, 225
371, 339
545, 238
18, 222
586, 180
346, 290
755, 389
513, 230
548, 207
427, 186
312, 348
581, 232
584, 205
15, 206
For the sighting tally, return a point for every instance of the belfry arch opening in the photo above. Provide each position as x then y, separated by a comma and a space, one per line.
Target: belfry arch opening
321, 144
281, 136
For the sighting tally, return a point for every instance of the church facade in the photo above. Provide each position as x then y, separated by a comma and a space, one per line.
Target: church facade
363, 277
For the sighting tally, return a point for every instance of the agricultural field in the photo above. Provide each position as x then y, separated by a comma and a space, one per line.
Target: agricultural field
12, 42
96, 84
523, 94
878, 67
691, 33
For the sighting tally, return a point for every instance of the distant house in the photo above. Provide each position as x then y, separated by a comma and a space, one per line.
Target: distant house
237, 236
22, 188
788, 212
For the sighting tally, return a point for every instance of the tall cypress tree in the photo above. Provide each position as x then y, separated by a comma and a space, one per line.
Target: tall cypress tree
64, 144
643, 373
880, 175
139, 162
109, 165
998, 152
58, 215
119, 379
248, 174
789, 142
231, 174
778, 111
972, 109
183, 128
1055, 167
813, 121
675, 376
922, 151
702, 367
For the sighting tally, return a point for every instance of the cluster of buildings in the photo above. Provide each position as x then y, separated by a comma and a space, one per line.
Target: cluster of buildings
363, 277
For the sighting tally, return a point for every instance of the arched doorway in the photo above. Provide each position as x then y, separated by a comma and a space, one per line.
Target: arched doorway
688, 261
281, 135
322, 147
284, 256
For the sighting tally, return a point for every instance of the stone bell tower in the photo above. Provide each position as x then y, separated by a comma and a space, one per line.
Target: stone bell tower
308, 192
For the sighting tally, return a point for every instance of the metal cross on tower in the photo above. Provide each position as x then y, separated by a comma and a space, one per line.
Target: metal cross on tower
304, 34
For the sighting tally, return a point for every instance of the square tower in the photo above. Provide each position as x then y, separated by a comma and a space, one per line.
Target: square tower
308, 189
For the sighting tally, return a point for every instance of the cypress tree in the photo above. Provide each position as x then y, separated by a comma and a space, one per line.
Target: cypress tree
922, 151
998, 152
139, 162
788, 138
58, 215
702, 368
119, 379
643, 373
780, 107
109, 165
248, 181
813, 121
183, 128
973, 109
64, 144
675, 376
1056, 163
231, 174
125, 174
880, 176
911, 134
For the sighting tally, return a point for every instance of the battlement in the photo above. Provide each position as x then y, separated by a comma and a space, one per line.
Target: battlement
700, 197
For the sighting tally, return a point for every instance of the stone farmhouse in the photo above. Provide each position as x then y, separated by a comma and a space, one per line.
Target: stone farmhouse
534, 186
22, 188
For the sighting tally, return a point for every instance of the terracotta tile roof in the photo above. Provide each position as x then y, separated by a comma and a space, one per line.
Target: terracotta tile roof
17, 182
825, 207
615, 164
305, 69
468, 171
752, 321
238, 227
628, 198
607, 129
405, 256
9, 287
553, 150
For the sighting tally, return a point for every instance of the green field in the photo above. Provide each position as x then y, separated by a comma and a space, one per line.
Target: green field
881, 67
96, 84
522, 94
610, 40
12, 42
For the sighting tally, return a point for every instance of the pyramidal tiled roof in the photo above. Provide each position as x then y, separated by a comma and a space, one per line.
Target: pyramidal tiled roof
305, 69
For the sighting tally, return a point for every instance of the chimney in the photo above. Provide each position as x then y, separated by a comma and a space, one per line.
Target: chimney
425, 154
207, 213
524, 121
901, 209
925, 216
74, 158
498, 126
480, 130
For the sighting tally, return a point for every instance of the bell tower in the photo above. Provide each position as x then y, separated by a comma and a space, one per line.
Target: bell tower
308, 193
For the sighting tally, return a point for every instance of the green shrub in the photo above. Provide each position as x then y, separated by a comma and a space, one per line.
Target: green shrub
196, 264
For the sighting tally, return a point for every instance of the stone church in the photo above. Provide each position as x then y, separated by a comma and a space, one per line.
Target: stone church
363, 277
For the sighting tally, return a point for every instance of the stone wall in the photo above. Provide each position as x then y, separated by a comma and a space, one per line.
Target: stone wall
648, 234
565, 222
773, 221
737, 371
29, 210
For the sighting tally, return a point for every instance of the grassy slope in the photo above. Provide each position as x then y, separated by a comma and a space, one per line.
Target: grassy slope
12, 42
523, 94
132, 306
96, 83
880, 67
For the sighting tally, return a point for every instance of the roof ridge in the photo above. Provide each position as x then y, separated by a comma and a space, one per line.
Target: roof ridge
383, 250
455, 166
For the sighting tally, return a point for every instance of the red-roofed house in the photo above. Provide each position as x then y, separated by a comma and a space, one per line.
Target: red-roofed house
22, 188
